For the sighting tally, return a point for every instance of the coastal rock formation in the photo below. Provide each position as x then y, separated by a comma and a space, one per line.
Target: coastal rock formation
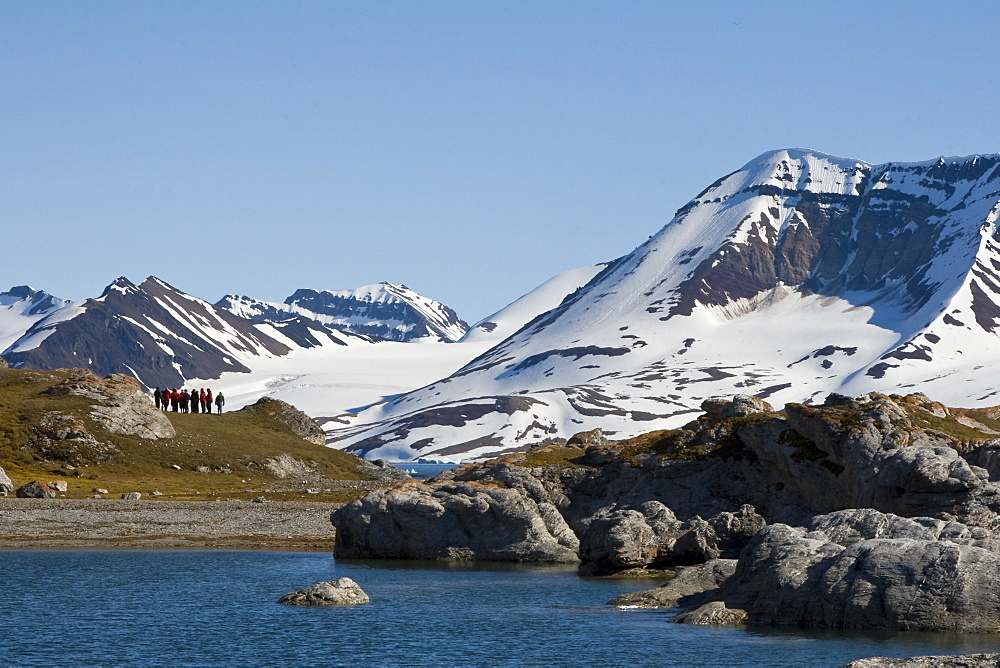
453, 520
6, 486
290, 416
652, 536
867, 513
344, 591
34, 490
685, 588
861, 569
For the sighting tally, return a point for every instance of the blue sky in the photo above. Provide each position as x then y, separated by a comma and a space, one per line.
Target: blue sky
470, 150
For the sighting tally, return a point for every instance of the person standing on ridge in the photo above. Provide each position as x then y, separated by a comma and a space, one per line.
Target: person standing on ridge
208, 400
185, 400
156, 397
205, 406
194, 401
175, 399
220, 401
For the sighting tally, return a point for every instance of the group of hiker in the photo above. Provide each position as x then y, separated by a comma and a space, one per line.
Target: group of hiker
183, 401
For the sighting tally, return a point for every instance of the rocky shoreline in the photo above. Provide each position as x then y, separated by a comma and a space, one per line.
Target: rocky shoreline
97, 524
881, 512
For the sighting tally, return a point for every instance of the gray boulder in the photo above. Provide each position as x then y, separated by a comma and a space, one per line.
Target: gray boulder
132, 496
453, 520
885, 572
59, 486
689, 583
123, 407
6, 486
344, 591
616, 540
34, 490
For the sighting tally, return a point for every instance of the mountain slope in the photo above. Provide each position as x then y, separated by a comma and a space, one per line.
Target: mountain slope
798, 275
20, 308
383, 311
159, 335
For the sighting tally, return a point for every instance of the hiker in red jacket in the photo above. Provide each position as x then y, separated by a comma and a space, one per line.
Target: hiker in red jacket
175, 399
205, 408
208, 400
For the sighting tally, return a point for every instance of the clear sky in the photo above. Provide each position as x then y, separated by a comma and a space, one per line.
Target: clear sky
470, 150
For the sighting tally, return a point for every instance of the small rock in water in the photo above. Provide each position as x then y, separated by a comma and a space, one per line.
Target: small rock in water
344, 591
132, 496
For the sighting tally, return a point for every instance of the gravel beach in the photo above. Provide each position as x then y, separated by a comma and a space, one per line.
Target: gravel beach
118, 524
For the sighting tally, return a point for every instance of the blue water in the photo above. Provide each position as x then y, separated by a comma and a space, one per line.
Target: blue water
218, 608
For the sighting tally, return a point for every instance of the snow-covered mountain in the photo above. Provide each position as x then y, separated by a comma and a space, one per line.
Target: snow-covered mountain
382, 311
798, 275
20, 308
160, 335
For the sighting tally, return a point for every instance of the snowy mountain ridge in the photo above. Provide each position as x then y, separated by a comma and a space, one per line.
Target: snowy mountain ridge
382, 311
798, 275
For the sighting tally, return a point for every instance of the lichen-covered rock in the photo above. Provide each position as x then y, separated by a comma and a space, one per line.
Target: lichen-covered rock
123, 407
652, 536
301, 424
681, 590
741, 405
885, 572
34, 490
65, 438
6, 486
713, 613
453, 520
344, 591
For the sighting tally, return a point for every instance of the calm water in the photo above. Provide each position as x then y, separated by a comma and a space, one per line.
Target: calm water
218, 608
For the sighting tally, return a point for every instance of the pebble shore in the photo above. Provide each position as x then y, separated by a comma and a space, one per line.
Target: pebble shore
90, 524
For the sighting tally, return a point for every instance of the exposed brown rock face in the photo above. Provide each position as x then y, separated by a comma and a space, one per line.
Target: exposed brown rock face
290, 416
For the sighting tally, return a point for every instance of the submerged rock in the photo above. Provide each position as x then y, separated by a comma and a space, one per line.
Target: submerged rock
344, 591
946, 661
690, 582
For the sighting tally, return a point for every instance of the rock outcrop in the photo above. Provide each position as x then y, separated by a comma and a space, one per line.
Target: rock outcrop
344, 591
123, 408
453, 520
6, 486
290, 416
868, 513
861, 569
689, 585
